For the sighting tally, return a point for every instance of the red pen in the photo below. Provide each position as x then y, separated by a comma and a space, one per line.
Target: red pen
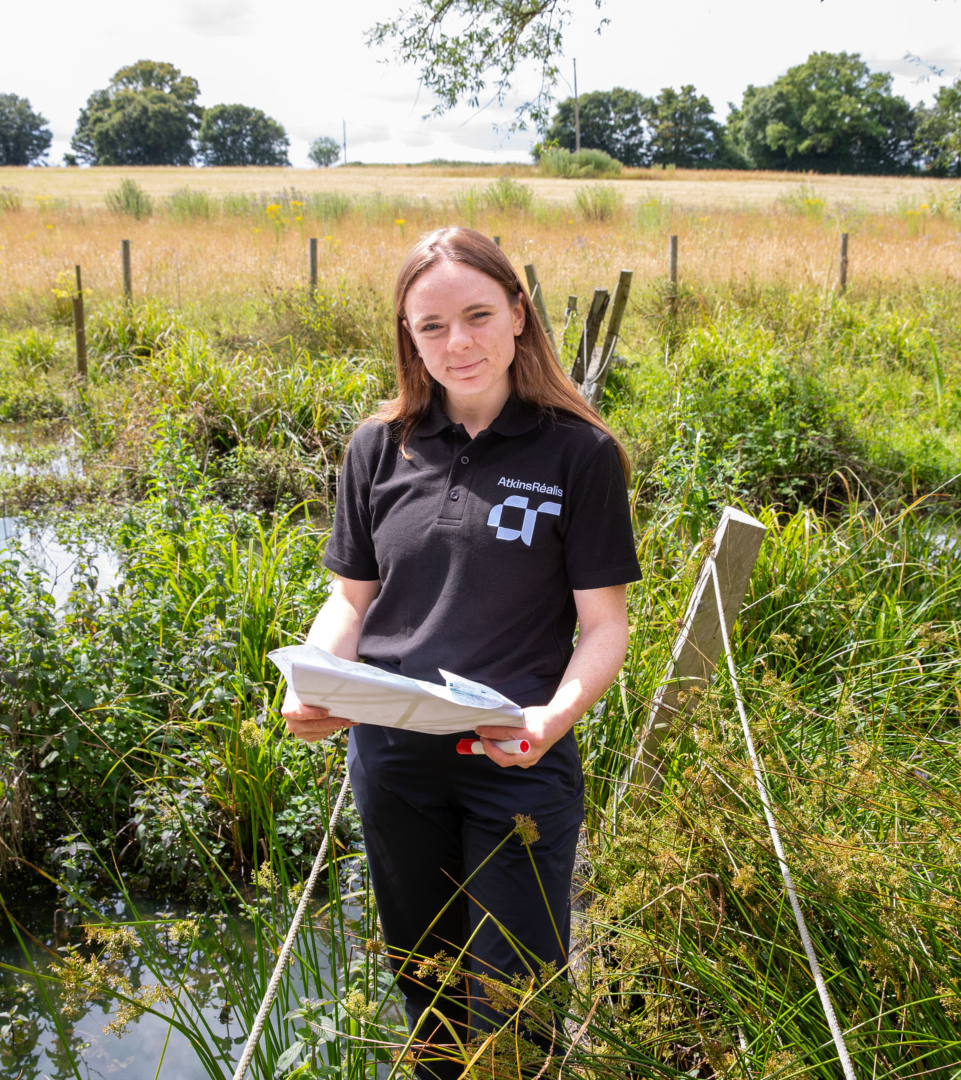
511, 746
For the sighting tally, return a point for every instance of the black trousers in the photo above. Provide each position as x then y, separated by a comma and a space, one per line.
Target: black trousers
430, 818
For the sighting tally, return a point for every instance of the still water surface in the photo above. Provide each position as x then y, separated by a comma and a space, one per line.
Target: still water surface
43, 1042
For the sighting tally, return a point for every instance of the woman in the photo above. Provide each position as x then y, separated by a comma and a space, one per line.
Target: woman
481, 515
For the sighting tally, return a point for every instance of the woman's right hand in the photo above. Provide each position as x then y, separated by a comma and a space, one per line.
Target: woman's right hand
308, 722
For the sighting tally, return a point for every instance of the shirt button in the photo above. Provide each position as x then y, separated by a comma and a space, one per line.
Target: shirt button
465, 460
454, 495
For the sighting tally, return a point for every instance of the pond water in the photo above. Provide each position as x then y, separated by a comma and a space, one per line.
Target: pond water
45, 1043
39, 542
26, 451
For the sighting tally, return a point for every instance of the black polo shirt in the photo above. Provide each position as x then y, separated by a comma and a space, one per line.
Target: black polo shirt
478, 543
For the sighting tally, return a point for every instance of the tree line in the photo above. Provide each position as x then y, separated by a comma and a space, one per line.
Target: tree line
149, 115
829, 114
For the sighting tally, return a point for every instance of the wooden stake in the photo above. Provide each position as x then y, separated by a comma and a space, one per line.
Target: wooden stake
672, 277
592, 327
80, 330
127, 272
601, 361
843, 268
537, 299
312, 264
694, 657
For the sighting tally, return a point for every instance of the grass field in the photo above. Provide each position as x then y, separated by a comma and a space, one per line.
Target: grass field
720, 189
218, 237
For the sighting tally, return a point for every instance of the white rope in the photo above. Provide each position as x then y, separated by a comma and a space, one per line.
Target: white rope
776, 838
265, 1005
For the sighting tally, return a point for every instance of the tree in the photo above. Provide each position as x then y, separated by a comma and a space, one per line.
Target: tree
675, 128
938, 143
241, 135
460, 44
148, 115
24, 136
684, 131
830, 114
615, 121
324, 151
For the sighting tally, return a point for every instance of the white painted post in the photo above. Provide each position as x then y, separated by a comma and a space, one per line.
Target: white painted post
698, 647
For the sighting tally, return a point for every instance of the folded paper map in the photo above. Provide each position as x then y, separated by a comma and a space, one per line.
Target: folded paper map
368, 695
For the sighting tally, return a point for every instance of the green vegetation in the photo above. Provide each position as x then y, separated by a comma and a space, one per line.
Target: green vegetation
24, 135
148, 115
129, 198
597, 202
507, 194
830, 113
675, 128
324, 151
241, 135
580, 163
141, 743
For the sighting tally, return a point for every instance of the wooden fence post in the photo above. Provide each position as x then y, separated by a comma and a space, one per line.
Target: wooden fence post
592, 327
79, 328
843, 267
593, 388
127, 272
694, 657
537, 299
672, 277
312, 264
497, 240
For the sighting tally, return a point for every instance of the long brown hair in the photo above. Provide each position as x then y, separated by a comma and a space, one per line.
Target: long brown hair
535, 375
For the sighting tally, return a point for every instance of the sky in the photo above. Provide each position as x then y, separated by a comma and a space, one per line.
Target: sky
306, 64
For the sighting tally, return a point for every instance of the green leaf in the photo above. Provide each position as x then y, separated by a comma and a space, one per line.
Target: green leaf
288, 1057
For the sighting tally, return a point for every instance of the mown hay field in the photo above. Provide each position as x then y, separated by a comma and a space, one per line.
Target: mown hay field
716, 188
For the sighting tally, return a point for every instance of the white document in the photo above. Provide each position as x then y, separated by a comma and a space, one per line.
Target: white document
368, 695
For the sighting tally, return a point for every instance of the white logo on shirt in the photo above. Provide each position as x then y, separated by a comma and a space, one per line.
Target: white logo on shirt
530, 485
526, 531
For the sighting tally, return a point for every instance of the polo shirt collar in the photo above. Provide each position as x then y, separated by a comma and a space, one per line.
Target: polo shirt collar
516, 418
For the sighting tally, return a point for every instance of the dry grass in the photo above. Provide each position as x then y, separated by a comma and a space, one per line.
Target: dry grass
687, 187
231, 260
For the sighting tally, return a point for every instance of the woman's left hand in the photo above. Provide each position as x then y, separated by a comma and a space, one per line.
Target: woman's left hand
598, 655
537, 729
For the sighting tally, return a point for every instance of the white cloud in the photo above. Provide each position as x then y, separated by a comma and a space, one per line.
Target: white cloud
415, 138
216, 18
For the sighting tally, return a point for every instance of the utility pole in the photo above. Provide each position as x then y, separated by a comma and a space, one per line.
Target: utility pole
577, 114
344, 122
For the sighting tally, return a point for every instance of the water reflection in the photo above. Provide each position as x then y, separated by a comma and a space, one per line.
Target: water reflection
56, 560
43, 1041
26, 450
